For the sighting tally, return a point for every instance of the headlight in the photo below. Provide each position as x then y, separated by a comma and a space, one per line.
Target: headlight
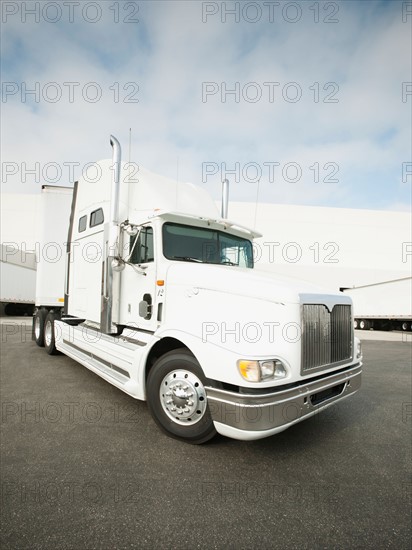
259, 371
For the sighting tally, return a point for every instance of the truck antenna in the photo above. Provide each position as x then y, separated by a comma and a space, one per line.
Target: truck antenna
130, 146
177, 181
130, 167
256, 203
225, 198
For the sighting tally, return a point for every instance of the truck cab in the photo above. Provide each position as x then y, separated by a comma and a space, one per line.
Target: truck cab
163, 300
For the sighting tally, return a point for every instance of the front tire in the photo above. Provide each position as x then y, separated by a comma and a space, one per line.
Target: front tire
176, 397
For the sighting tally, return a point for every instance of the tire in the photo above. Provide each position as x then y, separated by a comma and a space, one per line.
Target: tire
39, 320
50, 334
186, 416
364, 324
355, 324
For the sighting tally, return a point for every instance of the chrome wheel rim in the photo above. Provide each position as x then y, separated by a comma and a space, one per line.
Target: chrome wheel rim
37, 328
48, 333
183, 397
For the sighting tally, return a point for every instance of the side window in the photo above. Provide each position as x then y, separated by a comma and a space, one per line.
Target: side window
82, 223
143, 250
96, 217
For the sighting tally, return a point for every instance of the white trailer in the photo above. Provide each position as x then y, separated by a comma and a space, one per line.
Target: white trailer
54, 210
18, 258
17, 280
163, 301
383, 306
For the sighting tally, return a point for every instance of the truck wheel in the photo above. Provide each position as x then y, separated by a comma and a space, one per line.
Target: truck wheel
38, 326
176, 397
50, 334
355, 324
405, 326
364, 325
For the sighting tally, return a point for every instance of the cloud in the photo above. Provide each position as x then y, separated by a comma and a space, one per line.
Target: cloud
347, 75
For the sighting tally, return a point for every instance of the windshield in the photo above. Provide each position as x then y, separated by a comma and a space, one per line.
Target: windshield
196, 244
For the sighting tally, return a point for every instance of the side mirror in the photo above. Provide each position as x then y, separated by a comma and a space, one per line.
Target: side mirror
134, 232
131, 230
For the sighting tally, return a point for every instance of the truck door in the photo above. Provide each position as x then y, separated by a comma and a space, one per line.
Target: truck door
138, 282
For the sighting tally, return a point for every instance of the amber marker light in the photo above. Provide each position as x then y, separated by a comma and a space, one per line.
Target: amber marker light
259, 371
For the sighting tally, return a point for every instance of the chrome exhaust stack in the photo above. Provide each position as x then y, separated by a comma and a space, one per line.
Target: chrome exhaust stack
225, 198
111, 244
117, 158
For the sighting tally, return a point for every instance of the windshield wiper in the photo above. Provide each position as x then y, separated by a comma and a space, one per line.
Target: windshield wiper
187, 259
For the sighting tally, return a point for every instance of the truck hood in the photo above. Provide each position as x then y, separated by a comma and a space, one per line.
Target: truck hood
233, 280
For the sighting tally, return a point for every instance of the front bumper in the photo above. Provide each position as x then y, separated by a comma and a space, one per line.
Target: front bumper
249, 416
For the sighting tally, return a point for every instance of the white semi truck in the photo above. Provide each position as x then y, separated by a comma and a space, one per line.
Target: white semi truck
383, 306
162, 300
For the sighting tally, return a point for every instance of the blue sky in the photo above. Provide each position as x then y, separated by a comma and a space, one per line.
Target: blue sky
316, 112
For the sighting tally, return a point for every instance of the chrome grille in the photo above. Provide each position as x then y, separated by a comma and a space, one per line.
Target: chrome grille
326, 336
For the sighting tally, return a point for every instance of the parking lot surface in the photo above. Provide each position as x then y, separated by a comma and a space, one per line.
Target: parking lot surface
84, 466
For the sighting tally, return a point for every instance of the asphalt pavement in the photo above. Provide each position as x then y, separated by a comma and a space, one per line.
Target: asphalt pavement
83, 466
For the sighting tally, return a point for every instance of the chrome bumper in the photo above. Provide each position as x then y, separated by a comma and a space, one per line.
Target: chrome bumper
278, 410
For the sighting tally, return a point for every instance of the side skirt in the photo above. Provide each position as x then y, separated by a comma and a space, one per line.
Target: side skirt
115, 359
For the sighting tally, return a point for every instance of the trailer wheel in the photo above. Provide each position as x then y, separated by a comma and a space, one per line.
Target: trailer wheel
39, 320
176, 397
364, 325
405, 326
50, 334
355, 324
